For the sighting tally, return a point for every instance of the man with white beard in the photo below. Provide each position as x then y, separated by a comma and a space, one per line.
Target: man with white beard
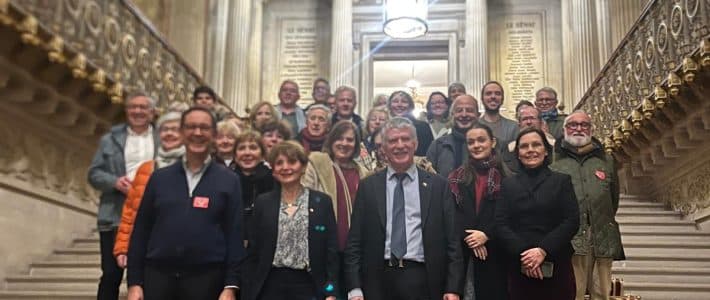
596, 185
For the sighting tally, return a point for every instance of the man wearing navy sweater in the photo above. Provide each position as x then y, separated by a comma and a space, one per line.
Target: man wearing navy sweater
187, 242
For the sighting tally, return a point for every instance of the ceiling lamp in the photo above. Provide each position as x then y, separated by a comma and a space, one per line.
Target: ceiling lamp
405, 19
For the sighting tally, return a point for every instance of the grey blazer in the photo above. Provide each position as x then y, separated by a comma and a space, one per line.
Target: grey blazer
106, 167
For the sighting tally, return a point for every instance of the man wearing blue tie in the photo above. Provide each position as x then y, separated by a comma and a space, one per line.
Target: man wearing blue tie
402, 242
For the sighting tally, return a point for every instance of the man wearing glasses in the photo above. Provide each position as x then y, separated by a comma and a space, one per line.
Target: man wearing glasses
121, 151
187, 239
546, 101
596, 185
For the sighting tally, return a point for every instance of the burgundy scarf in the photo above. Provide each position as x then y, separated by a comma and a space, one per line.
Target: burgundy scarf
311, 143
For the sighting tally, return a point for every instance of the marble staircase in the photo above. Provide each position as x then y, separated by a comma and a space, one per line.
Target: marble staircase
67, 273
668, 257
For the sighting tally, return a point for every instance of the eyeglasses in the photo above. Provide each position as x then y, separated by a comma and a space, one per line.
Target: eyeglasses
546, 100
582, 125
194, 127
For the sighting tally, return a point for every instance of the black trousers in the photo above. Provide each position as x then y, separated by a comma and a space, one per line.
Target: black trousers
288, 284
205, 283
408, 282
111, 274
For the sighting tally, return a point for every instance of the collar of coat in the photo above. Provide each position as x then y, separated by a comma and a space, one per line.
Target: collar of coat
563, 150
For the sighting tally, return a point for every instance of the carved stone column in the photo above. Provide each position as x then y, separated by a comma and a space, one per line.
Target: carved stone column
622, 15
341, 47
237, 58
604, 29
474, 71
214, 60
581, 51
255, 50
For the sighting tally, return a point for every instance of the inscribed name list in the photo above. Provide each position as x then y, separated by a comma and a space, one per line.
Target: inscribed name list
522, 57
298, 51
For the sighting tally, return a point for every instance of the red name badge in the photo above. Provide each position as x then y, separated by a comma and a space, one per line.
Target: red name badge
201, 202
600, 174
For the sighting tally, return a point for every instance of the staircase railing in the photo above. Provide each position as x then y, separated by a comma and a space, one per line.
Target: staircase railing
665, 48
108, 42
651, 106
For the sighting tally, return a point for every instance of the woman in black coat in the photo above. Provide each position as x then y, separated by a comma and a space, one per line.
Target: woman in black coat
294, 255
476, 190
536, 220
254, 175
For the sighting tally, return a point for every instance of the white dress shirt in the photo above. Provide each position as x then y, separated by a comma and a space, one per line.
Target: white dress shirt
139, 149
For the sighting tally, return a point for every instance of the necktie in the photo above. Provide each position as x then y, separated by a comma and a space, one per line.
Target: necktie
398, 243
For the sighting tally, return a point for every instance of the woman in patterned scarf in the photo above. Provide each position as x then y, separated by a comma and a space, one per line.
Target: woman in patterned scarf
476, 189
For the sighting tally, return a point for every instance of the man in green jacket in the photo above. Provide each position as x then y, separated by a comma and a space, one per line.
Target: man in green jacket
596, 185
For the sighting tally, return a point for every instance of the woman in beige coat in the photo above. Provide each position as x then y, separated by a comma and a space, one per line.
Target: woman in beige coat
337, 172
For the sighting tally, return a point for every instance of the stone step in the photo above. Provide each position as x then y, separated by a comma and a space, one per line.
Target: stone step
668, 291
670, 253
658, 213
666, 242
625, 206
650, 218
656, 231
650, 229
52, 283
694, 236
86, 243
662, 274
632, 221
52, 295
634, 262
75, 254
69, 268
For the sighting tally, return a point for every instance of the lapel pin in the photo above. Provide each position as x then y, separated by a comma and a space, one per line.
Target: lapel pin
311, 210
424, 184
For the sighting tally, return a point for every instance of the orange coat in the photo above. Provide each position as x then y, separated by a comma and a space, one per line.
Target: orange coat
130, 207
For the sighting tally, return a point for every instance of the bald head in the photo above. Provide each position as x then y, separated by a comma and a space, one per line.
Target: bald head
464, 111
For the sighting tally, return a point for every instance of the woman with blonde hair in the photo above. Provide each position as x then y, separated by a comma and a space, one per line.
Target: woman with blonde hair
224, 143
262, 113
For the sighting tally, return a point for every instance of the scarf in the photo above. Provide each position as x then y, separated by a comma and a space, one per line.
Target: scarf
460, 150
312, 143
487, 167
166, 158
549, 115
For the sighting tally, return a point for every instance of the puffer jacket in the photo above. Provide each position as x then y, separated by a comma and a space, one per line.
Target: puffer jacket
596, 186
130, 207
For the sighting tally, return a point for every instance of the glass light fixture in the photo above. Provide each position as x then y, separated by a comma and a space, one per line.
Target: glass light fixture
406, 19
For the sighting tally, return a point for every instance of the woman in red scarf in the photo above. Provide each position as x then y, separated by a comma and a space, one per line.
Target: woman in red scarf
312, 137
476, 189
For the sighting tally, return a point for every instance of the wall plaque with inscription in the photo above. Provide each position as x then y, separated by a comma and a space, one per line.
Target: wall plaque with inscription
521, 60
298, 53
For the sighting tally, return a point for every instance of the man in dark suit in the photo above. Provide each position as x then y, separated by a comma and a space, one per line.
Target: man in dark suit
402, 242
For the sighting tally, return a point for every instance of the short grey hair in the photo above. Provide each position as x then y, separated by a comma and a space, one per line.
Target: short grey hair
151, 101
399, 123
539, 113
547, 89
328, 113
344, 88
579, 111
167, 117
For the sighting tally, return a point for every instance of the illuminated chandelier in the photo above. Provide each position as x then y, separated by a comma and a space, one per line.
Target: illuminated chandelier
405, 19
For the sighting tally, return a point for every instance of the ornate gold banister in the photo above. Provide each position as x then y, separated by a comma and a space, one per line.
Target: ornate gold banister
108, 42
659, 54
650, 104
